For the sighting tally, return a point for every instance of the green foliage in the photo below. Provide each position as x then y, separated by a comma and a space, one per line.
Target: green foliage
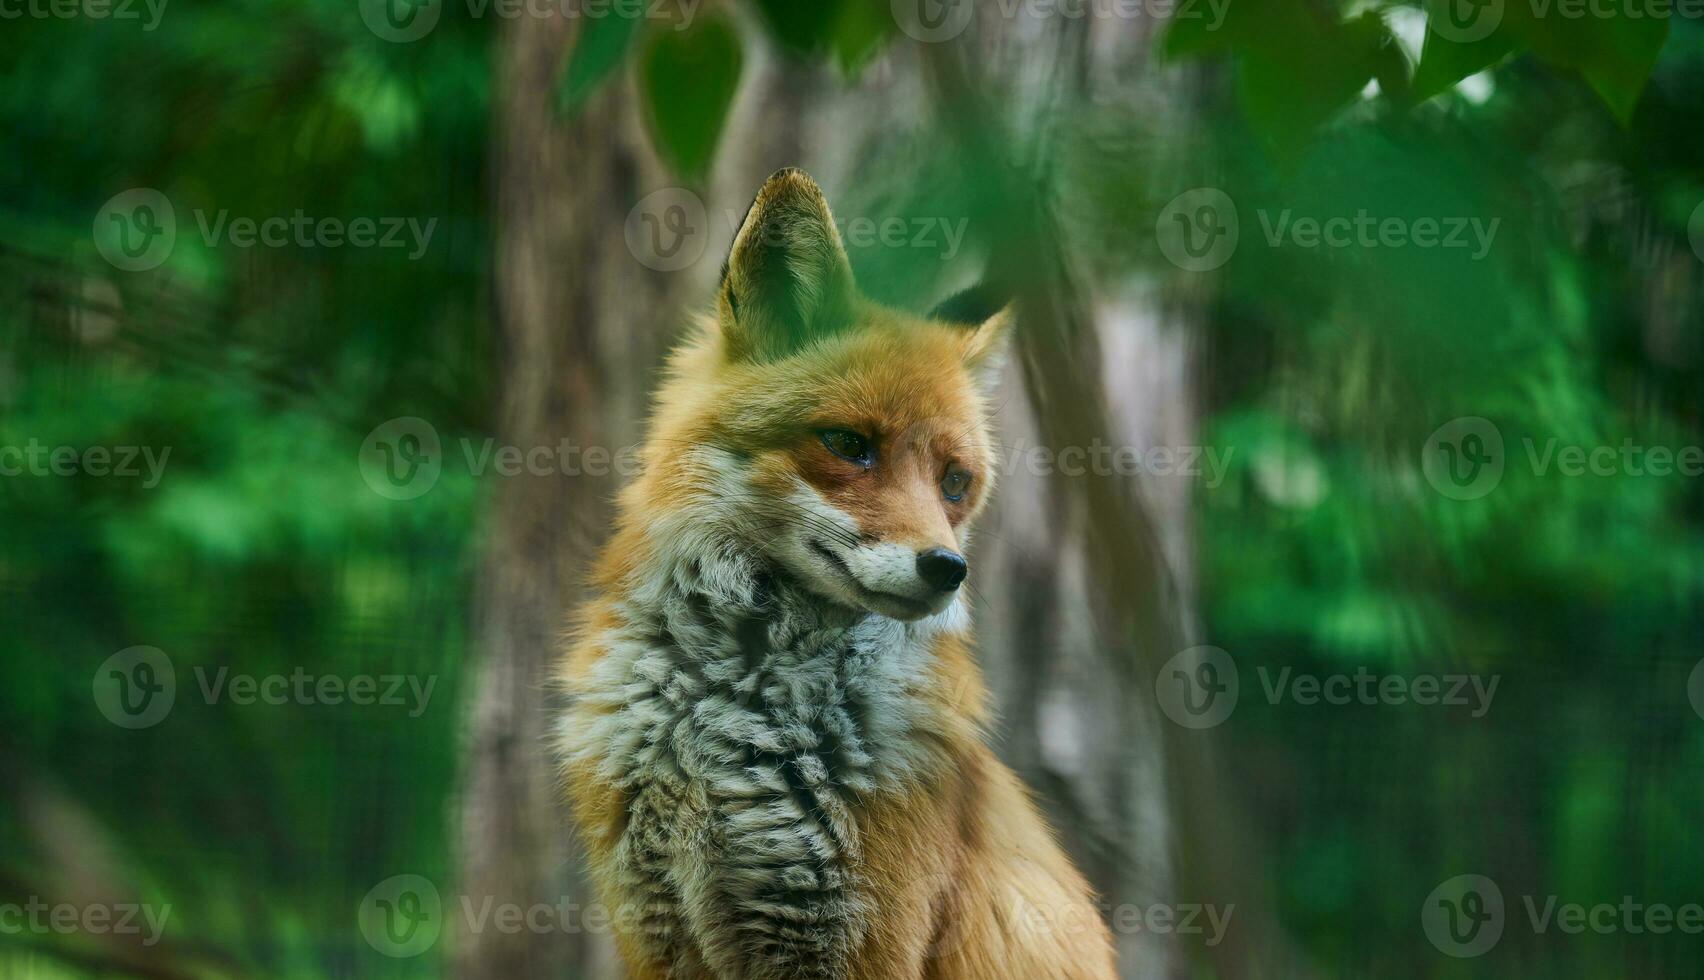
690, 77
600, 52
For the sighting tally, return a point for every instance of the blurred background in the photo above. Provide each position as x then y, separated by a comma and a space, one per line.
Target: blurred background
1341, 600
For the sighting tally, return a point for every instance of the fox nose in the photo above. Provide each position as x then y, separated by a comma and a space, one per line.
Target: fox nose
941, 568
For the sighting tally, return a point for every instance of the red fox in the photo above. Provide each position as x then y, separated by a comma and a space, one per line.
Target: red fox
775, 748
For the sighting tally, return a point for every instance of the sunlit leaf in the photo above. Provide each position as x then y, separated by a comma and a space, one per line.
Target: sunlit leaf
1444, 62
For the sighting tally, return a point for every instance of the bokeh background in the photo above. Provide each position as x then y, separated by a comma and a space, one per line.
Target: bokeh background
1327, 454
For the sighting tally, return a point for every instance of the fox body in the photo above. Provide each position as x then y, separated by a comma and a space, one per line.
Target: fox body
775, 748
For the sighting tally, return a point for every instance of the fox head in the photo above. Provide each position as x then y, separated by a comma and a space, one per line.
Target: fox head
844, 442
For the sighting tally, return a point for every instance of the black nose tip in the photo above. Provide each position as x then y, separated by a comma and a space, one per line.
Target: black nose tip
941, 568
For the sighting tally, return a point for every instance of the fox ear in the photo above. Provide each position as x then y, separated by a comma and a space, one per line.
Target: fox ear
786, 281
985, 311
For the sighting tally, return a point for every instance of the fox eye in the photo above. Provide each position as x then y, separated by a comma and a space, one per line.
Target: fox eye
954, 484
848, 445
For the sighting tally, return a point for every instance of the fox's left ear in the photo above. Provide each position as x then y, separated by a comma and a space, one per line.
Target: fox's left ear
986, 313
787, 281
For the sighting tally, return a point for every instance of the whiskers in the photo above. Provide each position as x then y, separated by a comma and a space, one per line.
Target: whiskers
775, 513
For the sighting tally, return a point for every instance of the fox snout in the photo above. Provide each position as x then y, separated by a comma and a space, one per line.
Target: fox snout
941, 569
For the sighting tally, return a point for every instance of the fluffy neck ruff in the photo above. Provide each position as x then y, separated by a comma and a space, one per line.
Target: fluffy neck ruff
747, 719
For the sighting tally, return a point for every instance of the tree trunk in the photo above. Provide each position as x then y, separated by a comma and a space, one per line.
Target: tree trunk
580, 325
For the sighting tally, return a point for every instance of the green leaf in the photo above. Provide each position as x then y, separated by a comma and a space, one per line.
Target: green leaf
862, 31
1443, 62
1614, 53
689, 80
1192, 38
598, 53
805, 26
1287, 89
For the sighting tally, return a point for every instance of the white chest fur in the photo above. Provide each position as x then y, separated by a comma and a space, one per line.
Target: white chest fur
745, 719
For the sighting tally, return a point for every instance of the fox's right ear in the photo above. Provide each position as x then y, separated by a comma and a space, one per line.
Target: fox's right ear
786, 281
986, 313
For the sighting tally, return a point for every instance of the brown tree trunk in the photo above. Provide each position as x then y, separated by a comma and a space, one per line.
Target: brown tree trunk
580, 325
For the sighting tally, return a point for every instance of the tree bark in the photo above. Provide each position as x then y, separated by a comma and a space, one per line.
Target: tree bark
580, 326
